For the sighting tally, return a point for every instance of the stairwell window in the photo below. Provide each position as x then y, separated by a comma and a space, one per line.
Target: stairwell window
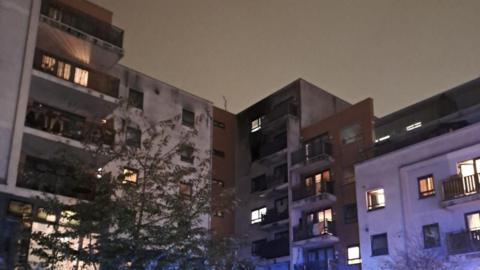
81, 76
188, 118
353, 253
426, 186
256, 124
375, 199
257, 214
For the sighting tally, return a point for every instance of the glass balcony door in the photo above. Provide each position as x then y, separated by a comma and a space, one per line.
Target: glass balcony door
320, 258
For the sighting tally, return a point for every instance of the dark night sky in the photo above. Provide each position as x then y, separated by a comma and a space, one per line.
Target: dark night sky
395, 51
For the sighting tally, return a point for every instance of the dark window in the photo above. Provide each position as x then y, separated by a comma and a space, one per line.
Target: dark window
218, 182
280, 173
379, 244
375, 199
257, 246
186, 189
350, 213
188, 118
431, 235
218, 124
133, 137
218, 213
281, 235
135, 99
218, 153
350, 133
426, 186
259, 183
186, 153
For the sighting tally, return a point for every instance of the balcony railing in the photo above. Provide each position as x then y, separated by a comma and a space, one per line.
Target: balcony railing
273, 216
68, 125
459, 186
280, 111
316, 151
270, 148
66, 15
274, 249
463, 242
301, 191
71, 72
310, 230
316, 265
53, 177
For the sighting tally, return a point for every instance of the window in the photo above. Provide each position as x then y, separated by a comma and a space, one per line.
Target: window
350, 213
350, 133
379, 244
431, 236
257, 246
321, 182
280, 173
218, 124
133, 137
218, 213
135, 99
257, 214
130, 175
186, 153
63, 70
218, 153
48, 63
473, 222
281, 205
259, 183
186, 189
218, 182
188, 118
413, 126
68, 217
256, 124
44, 215
426, 186
353, 253
281, 235
19, 209
81, 76
375, 199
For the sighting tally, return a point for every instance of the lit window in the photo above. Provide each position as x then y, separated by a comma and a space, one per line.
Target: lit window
473, 222
19, 209
376, 199
257, 214
256, 125
188, 118
431, 235
353, 253
381, 139
413, 126
81, 76
135, 99
68, 218
48, 63
63, 70
185, 189
426, 186
350, 133
130, 175
44, 215
379, 244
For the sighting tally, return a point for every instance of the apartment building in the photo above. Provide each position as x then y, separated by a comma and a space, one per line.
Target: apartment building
269, 138
323, 211
418, 193
61, 77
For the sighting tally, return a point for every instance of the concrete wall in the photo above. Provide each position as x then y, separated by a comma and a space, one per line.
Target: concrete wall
405, 214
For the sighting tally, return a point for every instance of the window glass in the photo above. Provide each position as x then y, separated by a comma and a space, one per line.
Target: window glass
259, 183
350, 133
256, 124
135, 99
44, 215
353, 254
379, 244
431, 236
133, 137
186, 189
350, 213
218, 153
48, 63
218, 182
218, 124
63, 70
473, 221
19, 209
81, 76
256, 215
375, 199
130, 175
188, 118
426, 186
186, 154
257, 246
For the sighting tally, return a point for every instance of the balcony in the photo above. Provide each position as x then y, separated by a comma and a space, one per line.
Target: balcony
274, 219
315, 234
317, 195
274, 249
271, 148
463, 242
278, 113
79, 35
458, 189
310, 158
52, 177
315, 265
67, 125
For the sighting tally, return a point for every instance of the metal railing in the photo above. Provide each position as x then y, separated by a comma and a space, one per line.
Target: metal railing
463, 242
64, 14
315, 265
97, 81
280, 111
68, 125
301, 191
275, 248
459, 186
310, 230
273, 216
316, 151
270, 148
